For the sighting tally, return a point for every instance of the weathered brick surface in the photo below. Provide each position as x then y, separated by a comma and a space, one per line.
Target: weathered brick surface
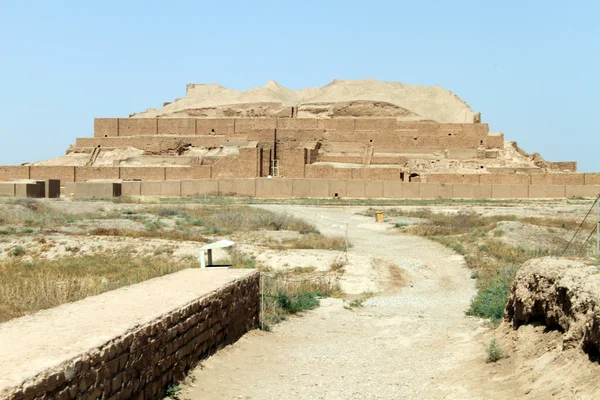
14, 172
106, 127
143, 362
64, 174
83, 174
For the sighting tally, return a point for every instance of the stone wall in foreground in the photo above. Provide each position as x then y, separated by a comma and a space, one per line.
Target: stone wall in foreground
141, 363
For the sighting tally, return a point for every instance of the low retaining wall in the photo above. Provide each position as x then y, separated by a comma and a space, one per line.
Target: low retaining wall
327, 188
130, 342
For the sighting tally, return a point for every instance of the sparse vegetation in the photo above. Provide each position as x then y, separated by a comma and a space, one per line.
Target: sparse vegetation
313, 241
288, 293
27, 286
494, 352
173, 392
493, 262
17, 251
338, 264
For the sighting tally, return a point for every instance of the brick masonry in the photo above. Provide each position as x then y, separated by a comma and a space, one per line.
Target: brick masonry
350, 188
143, 361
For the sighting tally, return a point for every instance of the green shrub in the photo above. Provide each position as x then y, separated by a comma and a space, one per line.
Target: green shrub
492, 297
299, 302
166, 212
173, 392
494, 352
17, 251
154, 225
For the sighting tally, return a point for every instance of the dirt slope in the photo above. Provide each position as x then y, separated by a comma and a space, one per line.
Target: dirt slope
340, 98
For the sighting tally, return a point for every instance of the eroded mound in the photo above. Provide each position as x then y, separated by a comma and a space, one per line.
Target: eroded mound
340, 98
561, 294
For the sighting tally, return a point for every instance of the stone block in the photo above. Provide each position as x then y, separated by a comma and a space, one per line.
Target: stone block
98, 190
572, 191
161, 188
356, 189
208, 187
129, 188
510, 191
337, 187
283, 188
374, 189
7, 189
463, 191
227, 187
319, 188
190, 188
245, 187
446, 191
265, 188
429, 190
392, 190
547, 191
301, 188
483, 191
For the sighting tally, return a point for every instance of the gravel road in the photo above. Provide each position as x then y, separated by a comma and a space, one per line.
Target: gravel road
415, 343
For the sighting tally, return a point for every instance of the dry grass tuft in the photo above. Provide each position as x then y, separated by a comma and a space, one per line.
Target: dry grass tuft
314, 241
26, 287
189, 235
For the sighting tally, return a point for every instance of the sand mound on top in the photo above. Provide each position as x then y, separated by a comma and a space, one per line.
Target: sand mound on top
340, 98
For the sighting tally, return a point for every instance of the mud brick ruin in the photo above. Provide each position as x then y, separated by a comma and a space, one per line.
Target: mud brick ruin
348, 130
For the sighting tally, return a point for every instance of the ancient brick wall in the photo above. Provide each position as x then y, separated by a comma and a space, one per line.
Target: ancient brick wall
83, 174
14, 172
64, 174
245, 165
144, 361
291, 162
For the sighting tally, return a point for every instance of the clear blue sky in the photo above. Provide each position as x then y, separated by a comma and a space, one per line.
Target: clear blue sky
530, 67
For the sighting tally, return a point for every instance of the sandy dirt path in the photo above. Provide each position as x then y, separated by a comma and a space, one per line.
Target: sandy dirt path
415, 343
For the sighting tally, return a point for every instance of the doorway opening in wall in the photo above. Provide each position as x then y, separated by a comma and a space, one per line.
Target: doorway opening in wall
105, 135
414, 178
481, 142
98, 146
370, 140
449, 134
401, 176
